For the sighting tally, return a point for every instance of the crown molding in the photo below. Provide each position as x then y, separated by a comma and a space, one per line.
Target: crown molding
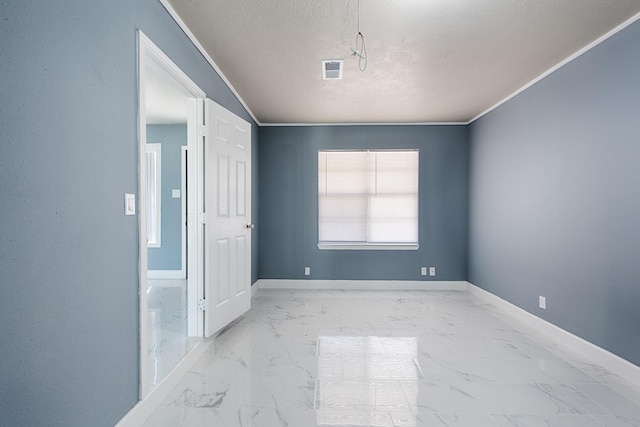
366, 124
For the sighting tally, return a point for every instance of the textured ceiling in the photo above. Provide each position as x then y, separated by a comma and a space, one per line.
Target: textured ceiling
428, 60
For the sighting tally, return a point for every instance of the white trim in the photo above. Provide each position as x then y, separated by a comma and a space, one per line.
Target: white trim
206, 56
144, 408
167, 283
581, 347
255, 287
183, 205
368, 124
368, 246
559, 65
165, 64
144, 45
196, 208
155, 148
165, 274
364, 285
194, 256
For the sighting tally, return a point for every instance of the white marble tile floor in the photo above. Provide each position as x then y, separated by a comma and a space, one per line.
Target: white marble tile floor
362, 358
167, 324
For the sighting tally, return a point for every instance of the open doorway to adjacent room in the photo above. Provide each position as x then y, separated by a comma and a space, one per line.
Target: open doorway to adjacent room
170, 282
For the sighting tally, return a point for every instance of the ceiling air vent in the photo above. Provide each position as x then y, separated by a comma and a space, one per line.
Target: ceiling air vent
332, 69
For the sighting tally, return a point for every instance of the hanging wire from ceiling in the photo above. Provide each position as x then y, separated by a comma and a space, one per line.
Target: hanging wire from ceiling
360, 52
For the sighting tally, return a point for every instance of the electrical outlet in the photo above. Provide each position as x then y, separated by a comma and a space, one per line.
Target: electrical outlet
423, 271
307, 271
542, 302
432, 271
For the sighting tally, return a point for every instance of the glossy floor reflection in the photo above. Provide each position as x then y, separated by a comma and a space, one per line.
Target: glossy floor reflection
411, 358
167, 324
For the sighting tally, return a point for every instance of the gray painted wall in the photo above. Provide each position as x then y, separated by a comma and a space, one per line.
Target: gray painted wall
289, 197
68, 153
171, 137
555, 197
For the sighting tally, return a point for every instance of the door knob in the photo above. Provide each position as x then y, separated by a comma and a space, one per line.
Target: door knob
251, 226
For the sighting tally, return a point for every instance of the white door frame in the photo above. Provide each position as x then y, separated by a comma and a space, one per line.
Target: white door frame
150, 55
183, 210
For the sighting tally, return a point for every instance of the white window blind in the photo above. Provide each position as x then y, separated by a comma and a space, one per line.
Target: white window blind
368, 198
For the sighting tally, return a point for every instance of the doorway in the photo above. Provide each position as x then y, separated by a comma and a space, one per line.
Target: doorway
170, 274
181, 306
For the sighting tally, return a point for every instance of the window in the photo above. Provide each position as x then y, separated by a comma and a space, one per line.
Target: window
368, 199
154, 206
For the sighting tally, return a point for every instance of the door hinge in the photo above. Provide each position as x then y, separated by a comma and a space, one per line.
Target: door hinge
202, 304
202, 131
202, 217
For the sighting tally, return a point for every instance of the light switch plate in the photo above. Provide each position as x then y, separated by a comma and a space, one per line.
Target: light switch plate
129, 204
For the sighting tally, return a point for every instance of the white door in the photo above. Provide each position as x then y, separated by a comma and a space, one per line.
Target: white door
227, 193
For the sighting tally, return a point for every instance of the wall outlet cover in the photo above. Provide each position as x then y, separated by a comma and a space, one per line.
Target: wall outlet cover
432, 271
423, 271
542, 302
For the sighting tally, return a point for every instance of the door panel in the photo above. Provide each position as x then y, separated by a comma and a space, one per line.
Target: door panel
223, 187
241, 265
228, 204
241, 180
222, 272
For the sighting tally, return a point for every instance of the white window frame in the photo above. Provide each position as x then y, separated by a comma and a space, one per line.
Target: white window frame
154, 195
366, 245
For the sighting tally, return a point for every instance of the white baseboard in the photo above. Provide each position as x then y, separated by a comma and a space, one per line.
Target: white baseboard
144, 408
364, 285
255, 287
587, 350
166, 274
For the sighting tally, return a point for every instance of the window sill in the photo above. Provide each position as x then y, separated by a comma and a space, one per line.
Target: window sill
369, 246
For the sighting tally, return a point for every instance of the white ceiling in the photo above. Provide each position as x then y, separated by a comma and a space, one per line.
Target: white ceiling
428, 60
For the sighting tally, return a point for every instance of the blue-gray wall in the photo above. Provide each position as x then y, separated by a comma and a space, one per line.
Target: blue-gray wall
172, 138
555, 197
289, 199
69, 345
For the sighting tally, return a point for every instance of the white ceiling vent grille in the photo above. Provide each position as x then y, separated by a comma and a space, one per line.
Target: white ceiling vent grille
332, 69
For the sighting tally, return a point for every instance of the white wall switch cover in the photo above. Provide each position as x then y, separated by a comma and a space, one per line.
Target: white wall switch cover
307, 271
423, 271
432, 271
542, 303
129, 204
175, 193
